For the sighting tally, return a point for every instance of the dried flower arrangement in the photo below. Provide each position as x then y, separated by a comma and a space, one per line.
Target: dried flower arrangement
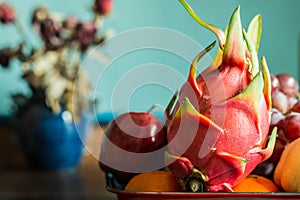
52, 70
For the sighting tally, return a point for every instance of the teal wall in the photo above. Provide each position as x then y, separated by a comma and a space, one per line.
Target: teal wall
280, 42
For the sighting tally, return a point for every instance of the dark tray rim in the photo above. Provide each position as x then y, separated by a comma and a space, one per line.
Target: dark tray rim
114, 187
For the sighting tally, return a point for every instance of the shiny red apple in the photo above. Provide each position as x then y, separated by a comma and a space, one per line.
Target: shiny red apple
134, 142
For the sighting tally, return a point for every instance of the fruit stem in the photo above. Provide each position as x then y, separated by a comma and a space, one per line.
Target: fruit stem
195, 185
152, 108
216, 30
194, 182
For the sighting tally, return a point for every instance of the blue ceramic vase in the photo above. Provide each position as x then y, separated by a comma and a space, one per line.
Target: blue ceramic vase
52, 141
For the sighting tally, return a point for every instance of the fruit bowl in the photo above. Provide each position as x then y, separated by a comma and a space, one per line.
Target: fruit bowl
114, 187
218, 124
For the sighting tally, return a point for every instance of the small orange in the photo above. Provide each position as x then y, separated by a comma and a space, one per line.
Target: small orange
256, 183
154, 181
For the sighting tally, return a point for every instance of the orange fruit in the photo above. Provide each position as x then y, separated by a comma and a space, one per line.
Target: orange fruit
256, 183
287, 171
154, 181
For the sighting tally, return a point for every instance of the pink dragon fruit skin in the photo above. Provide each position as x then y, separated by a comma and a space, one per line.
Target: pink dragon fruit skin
218, 128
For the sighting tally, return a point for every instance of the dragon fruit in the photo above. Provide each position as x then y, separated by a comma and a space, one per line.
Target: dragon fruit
218, 122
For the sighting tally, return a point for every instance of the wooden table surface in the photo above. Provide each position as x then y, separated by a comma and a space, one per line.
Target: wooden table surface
19, 182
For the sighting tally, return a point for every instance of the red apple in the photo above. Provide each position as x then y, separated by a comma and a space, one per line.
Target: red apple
134, 142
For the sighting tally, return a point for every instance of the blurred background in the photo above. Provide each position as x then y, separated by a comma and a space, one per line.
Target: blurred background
145, 58
159, 69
